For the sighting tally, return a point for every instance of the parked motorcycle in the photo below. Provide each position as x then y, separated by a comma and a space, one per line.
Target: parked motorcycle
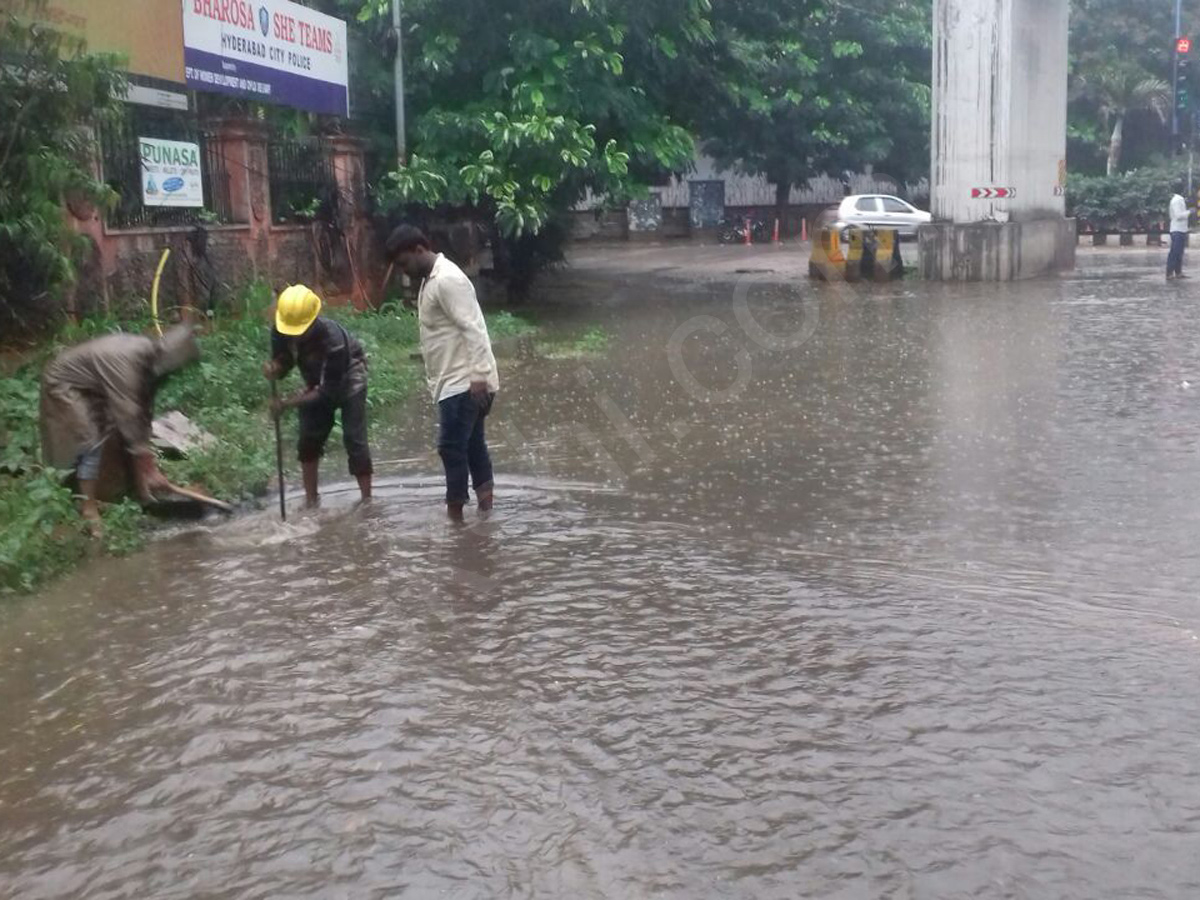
733, 231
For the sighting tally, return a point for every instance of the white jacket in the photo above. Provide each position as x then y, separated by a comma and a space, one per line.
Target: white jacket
454, 335
1179, 214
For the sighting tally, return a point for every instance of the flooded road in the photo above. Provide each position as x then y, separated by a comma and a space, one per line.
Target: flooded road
793, 592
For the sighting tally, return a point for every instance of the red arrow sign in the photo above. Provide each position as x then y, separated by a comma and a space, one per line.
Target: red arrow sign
993, 193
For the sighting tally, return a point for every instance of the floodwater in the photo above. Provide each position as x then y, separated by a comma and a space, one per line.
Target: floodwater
793, 592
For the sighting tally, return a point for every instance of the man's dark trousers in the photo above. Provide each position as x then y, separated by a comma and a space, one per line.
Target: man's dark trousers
462, 444
1175, 254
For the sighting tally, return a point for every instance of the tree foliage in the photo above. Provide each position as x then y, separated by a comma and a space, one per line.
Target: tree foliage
1133, 201
50, 91
520, 106
1119, 89
818, 86
1121, 58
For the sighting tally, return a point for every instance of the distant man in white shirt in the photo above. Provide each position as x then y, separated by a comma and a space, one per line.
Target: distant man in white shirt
459, 365
1179, 236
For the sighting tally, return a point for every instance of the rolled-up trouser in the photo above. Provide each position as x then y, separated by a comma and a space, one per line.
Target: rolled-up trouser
316, 421
462, 444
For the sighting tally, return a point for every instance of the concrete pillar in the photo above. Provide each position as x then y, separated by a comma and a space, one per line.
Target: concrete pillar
243, 144
349, 170
998, 142
84, 218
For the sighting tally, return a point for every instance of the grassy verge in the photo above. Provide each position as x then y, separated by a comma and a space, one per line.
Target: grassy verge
592, 342
41, 534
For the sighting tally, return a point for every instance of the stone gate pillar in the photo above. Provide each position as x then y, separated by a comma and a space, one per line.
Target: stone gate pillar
349, 170
243, 145
998, 142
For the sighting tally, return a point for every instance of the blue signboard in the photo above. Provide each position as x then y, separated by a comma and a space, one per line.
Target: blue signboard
270, 50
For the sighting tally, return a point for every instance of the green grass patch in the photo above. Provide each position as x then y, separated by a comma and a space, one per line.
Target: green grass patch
592, 342
505, 324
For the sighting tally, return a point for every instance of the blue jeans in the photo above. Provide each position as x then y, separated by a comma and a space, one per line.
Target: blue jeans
1175, 255
462, 445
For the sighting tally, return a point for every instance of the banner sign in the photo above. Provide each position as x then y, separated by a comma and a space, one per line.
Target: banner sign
158, 97
170, 173
269, 50
148, 34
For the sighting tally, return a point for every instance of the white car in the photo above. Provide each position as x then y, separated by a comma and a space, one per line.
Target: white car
880, 211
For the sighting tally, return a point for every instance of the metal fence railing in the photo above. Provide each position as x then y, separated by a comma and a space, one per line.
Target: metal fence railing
302, 182
122, 169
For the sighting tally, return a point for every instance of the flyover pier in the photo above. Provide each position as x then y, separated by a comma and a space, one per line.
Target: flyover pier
998, 142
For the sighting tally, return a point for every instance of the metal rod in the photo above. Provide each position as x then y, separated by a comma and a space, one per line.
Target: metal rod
1174, 77
278, 451
398, 73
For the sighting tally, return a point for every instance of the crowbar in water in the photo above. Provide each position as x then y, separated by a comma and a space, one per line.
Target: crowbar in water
201, 498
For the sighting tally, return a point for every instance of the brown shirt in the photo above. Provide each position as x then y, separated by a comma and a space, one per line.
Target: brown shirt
92, 389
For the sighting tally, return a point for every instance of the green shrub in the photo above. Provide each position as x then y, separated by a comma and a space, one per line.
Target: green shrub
124, 528
240, 462
18, 421
49, 87
42, 532
390, 337
1134, 201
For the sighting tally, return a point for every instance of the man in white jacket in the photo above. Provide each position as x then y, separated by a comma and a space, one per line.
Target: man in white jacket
1179, 236
459, 365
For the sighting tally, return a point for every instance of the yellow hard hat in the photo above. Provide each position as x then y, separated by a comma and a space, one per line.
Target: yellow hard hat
297, 309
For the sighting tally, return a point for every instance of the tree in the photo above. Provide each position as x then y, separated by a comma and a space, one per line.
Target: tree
50, 90
1119, 90
517, 107
1129, 46
818, 86
1104, 30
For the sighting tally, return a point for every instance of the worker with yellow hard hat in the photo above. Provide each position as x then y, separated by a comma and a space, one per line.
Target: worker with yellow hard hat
334, 368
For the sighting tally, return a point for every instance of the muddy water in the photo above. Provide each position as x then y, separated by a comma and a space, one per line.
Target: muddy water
811, 593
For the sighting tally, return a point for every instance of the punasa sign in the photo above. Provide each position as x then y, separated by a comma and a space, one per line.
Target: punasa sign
171, 173
163, 154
